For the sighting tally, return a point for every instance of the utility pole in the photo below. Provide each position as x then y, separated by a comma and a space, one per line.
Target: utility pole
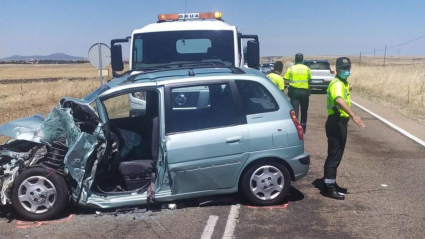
360, 61
398, 55
373, 54
385, 54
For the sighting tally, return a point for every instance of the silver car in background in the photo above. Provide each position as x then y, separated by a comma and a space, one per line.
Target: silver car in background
266, 68
321, 74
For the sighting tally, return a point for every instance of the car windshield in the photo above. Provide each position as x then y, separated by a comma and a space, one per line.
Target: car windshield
317, 65
157, 48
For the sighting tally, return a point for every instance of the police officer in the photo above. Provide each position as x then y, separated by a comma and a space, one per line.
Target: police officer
298, 77
275, 75
339, 113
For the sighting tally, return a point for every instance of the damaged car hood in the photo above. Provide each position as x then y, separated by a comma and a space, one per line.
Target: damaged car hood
28, 128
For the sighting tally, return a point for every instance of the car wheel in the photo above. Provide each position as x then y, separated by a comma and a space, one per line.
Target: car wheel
266, 184
39, 194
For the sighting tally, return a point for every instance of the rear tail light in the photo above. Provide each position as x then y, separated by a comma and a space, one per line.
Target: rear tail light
330, 69
297, 125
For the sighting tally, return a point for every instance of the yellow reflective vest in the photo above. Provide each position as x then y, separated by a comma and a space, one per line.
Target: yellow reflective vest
298, 76
277, 80
338, 89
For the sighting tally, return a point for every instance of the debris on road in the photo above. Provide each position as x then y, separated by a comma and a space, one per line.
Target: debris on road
122, 211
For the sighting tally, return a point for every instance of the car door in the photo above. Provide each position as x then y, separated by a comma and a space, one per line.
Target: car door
267, 127
206, 139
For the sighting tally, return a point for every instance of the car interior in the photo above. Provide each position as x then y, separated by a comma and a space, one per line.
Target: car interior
194, 115
133, 148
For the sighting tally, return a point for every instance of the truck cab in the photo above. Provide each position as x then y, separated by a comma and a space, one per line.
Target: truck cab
183, 38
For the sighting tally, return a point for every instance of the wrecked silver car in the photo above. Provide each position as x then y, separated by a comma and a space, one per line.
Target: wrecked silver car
204, 131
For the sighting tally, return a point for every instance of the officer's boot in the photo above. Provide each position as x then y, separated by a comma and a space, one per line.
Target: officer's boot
331, 192
340, 189
304, 125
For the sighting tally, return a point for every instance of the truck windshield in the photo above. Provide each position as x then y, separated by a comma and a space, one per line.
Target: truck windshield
182, 46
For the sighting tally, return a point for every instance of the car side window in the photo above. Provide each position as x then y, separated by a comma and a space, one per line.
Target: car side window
126, 105
256, 98
201, 107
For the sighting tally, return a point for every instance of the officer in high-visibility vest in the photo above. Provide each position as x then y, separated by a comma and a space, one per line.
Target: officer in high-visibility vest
298, 77
339, 113
275, 75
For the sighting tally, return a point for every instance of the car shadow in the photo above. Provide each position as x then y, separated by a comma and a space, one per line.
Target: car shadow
7, 213
233, 199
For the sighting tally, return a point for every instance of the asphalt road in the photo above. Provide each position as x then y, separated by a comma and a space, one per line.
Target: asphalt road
383, 170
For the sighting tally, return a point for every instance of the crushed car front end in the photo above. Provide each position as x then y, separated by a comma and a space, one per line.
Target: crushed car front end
61, 144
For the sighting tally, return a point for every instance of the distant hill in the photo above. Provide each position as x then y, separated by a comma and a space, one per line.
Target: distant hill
55, 56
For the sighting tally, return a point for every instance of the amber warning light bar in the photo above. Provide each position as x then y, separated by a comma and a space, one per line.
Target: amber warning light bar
188, 16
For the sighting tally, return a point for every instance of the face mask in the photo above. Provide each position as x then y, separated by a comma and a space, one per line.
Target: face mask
344, 74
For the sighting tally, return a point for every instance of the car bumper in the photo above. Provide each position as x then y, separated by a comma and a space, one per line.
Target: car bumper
300, 165
319, 85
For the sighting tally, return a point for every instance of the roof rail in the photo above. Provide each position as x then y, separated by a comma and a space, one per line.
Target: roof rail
189, 66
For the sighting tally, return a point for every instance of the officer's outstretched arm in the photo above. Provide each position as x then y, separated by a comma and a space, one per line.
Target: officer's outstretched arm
341, 103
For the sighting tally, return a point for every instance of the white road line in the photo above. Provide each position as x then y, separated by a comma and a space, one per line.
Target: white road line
407, 134
231, 221
209, 228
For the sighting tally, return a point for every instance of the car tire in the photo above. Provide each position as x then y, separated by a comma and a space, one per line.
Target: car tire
39, 194
249, 183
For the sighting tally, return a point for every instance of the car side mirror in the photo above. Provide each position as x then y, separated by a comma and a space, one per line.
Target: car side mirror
116, 58
253, 53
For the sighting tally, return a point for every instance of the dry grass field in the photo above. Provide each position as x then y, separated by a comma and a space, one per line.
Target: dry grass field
31, 71
19, 100
399, 87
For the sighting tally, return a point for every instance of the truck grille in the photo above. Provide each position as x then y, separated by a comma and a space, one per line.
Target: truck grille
185, 99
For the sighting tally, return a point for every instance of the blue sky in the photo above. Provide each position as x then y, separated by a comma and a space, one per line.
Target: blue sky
321, 27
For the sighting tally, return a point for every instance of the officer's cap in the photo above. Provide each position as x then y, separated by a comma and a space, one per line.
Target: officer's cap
343, 63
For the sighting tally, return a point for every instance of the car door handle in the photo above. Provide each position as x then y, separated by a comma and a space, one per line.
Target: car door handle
233, 140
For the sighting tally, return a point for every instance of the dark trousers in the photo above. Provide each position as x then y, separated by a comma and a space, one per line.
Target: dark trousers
300, 98
336, 131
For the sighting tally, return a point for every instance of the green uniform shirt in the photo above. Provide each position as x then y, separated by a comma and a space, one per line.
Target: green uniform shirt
298, 76
277, 80
338, 89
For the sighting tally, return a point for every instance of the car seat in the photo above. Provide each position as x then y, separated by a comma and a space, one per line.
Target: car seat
136, 173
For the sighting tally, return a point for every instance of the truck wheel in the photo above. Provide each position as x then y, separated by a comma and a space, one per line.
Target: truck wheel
39, 194
266, 184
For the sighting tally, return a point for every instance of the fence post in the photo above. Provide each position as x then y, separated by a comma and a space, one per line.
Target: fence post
360, 61
408, 94
385, 54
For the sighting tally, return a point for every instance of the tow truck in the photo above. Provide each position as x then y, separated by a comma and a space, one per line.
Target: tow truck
186, 37
183, 39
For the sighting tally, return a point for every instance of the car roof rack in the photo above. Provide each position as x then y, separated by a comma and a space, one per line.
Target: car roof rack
182, 66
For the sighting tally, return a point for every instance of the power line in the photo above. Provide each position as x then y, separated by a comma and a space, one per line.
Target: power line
407, 42
391, 47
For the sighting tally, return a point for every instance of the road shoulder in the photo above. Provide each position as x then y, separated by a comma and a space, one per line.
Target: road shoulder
413, 127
